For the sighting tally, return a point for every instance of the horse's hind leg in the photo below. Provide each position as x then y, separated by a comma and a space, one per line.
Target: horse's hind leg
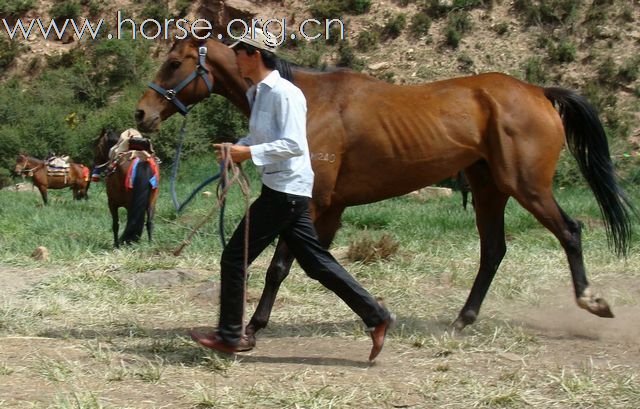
326, 226
547, 211
115, 225
489, 203
150, 212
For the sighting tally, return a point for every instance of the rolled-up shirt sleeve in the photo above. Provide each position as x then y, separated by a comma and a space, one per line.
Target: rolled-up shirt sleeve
246, 141
290, 123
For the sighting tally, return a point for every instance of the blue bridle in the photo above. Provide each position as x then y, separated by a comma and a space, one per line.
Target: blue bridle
201, 71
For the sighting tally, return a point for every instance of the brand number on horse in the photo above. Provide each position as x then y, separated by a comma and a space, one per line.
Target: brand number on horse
327, 157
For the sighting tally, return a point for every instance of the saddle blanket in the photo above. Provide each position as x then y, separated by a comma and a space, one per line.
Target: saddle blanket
131, 173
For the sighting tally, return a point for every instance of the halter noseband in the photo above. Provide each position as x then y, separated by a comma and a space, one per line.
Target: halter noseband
200, 71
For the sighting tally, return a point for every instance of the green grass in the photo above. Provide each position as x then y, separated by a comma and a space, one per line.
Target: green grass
87, 337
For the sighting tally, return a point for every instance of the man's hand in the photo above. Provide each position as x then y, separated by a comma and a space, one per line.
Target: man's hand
238, 153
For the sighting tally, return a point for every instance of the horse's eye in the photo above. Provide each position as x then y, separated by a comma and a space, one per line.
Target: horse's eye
175, 64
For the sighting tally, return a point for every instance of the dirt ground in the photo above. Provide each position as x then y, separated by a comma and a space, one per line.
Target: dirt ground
160, 367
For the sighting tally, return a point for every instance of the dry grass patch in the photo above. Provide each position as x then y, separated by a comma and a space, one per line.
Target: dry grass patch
366, 249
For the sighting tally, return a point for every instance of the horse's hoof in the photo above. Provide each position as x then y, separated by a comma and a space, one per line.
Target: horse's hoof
464, 319
595, 305
247, 343
457, 326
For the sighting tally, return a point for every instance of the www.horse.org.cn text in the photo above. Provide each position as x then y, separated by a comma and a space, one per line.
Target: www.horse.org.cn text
178, 29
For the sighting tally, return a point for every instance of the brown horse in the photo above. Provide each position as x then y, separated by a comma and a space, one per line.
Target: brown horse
76, 177
371, 140
135, 189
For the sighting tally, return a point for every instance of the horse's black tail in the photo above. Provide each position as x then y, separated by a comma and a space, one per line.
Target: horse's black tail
139, 203
587, 142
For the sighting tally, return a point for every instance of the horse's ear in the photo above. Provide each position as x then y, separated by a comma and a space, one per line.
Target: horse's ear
198, 42
200, 35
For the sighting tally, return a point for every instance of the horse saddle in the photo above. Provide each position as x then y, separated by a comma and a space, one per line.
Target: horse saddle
138, 143
60, 162
130, 140
58, 166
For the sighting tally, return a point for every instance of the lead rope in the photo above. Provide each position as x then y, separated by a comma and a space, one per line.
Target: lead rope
226, 182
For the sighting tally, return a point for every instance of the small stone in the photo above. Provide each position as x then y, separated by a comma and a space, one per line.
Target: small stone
41, 253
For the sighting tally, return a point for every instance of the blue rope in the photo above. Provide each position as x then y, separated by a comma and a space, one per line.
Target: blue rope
172, 185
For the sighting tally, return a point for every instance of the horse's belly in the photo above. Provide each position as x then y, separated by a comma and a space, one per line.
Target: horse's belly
387, 179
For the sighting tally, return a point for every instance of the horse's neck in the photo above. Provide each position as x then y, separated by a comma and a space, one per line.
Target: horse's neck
234, 88
33, 162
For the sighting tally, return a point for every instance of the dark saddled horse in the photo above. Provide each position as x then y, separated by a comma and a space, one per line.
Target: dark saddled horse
126, 187
506, 134
75, 177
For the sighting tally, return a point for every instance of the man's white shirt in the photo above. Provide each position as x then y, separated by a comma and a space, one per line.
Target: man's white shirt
278, 135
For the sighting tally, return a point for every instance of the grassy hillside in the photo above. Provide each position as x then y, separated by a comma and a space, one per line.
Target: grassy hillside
57, 95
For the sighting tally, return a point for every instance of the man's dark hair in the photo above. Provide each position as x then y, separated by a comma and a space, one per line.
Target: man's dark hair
270, 60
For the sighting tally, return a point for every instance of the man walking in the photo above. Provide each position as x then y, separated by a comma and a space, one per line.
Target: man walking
277, 145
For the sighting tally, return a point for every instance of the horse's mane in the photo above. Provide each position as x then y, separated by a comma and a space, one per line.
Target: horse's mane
29, 158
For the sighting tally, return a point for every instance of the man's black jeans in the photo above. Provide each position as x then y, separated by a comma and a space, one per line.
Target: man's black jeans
276, 214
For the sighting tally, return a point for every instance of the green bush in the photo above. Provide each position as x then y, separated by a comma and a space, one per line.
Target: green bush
310, 54
534, 71
501, 28
626, 14
461, 21
15, 8
567, 172
182, 7
156, 10
327, 9
394, 26
563, 52
358, 6
465, 62
367, 40
468, 4
607, 70
347, 57
5, 178
67, 9
335, 35
95, 7
458, 24
630, 69
547, 11
437, 8
453, 37
420, 24
600, 97
9, 50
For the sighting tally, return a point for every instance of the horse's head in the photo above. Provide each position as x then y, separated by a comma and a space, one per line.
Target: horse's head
192, 71
107, 138
22, 163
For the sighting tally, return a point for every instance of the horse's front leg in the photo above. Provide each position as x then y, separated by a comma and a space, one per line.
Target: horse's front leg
43, 193
276, 273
